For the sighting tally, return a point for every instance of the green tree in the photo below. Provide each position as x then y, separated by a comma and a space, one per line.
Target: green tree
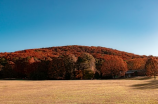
1, 68
70, 61
3, 61
86, 63
9, 72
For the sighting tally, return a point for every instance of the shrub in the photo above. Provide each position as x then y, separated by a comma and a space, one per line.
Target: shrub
88, 74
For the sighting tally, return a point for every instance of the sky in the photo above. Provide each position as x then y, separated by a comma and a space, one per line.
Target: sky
125, 25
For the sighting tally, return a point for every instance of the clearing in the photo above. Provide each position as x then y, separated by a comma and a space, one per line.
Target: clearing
131, 91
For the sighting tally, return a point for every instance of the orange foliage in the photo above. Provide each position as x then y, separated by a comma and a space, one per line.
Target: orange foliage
137, 64
52, 60
113, 66
151, 67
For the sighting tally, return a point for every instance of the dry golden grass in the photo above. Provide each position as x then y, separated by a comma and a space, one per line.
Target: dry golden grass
79, 92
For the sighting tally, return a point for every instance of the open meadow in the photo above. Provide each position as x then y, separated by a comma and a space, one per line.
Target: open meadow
124, 91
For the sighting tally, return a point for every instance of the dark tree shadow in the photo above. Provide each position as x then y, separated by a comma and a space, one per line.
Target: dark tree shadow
152, 84
139, 78
144, 78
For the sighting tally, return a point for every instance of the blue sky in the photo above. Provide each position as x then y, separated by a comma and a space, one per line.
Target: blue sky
125, 25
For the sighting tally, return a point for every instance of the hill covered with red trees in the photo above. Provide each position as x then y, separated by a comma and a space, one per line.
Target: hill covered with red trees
69, 62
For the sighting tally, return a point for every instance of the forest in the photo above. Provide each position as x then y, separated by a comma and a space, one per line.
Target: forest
74, 62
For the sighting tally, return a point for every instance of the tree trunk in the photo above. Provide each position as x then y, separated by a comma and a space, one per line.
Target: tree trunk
155, 77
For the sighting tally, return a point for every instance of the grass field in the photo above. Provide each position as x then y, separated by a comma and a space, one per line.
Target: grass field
131, 91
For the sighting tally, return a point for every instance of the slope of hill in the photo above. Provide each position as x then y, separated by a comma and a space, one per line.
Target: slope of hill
69, 62
65, 50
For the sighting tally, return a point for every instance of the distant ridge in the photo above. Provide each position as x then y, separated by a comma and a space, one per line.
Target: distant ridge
73, 49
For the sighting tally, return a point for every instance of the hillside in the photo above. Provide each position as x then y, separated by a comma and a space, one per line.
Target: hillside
74, 61
65, 50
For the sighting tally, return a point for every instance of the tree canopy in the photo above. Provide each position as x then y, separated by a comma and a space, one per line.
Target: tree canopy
69, 62
151, 67
113, 66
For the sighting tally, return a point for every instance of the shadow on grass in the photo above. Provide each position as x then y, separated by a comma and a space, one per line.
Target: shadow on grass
152, 84
139, 78
144, 78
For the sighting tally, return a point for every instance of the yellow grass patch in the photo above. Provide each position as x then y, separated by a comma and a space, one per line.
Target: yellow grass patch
79, 92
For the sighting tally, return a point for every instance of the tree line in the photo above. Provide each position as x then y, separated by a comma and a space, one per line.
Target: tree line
73, 62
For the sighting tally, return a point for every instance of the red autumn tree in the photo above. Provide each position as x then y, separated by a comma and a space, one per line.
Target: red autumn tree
151, 67
136, 64
56, 69
19, 68
113, 66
